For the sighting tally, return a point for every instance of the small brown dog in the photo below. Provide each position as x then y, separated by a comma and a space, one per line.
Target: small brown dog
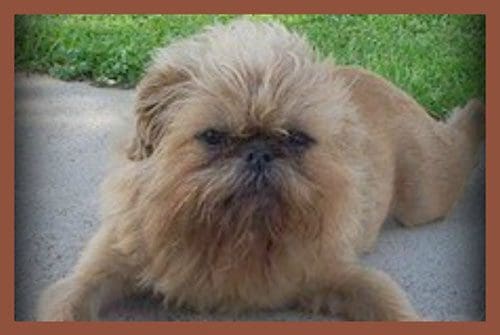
257, 175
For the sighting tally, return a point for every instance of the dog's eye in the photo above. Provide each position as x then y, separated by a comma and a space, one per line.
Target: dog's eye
297, 138
212, 137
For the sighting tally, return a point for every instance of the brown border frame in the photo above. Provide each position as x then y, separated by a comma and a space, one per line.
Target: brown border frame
7, 12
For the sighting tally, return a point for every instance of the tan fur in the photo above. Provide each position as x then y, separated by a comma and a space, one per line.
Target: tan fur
175, 218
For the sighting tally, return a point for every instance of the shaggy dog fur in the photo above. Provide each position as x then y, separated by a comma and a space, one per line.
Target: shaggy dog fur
257, 175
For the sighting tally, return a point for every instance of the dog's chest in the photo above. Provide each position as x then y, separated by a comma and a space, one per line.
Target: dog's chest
237, 282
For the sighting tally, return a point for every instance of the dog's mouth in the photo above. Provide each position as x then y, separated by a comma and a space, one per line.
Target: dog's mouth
247, 203
255, 185
257, 193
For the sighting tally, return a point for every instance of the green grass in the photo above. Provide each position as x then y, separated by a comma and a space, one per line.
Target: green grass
439, 59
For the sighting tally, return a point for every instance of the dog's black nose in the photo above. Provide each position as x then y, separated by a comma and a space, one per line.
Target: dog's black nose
258, 158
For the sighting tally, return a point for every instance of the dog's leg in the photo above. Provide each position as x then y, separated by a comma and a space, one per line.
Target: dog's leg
368, 294
434, 171
99, 276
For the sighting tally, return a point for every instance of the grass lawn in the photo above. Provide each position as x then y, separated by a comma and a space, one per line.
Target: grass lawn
439, 59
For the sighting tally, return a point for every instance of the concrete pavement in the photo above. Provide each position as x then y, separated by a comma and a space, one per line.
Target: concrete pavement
62, 149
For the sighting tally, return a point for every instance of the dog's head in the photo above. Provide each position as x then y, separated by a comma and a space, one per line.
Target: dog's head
239, 129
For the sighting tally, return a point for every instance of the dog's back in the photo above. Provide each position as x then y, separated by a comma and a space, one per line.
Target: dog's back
433, 159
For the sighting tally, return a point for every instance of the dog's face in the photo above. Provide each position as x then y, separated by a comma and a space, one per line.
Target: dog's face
241, 145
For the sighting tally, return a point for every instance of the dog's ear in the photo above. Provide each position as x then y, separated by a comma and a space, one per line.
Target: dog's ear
157, 94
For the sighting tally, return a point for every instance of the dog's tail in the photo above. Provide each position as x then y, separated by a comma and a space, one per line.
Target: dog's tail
469, 121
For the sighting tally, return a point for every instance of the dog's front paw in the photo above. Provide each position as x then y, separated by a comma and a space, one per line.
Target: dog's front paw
59, 302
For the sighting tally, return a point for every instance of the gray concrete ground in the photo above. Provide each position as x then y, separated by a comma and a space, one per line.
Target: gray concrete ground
62, 146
